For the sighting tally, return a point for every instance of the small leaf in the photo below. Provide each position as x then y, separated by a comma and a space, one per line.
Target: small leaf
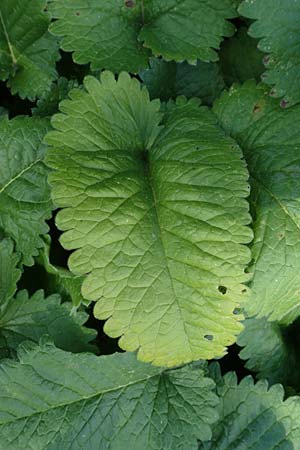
47, 105
27, 318
240, 60
59, 279
165, 80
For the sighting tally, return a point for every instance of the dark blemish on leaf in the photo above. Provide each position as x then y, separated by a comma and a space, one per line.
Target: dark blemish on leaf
236, 311
266, 60
284, 103
222, 289
272, 93
77, 13
208, 337
244, 291
256, 109
129, 3
45, 8
280, 236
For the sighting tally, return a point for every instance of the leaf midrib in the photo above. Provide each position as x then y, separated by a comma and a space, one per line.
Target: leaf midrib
82, 399
276, 199
10, 47
18, 175
155, 207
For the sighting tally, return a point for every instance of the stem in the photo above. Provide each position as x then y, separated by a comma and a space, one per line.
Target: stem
11, 51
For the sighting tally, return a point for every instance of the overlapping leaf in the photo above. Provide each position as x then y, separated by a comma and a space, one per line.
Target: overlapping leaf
28, 318
9, 272
59, 279
111, 35
28, 51
47, 105
267, 352
240, 60
24, 191
271, 144
277, 24
53, 400
253, 417
166, 80
157, 226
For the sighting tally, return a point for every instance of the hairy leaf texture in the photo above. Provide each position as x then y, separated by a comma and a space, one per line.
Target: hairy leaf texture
157, 224
253, 417
271, 144
54, 400
277, 24
28, 51
117, 35
25, 200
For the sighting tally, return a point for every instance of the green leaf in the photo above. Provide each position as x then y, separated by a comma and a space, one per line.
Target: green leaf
268, 352
55, 400
28, 51
161, 244
187, 30
27, 318
277, 25
9, 272
24, 192
167, 80
270, 142
112, 33
240, 59
47, 105
253, 417
59, 279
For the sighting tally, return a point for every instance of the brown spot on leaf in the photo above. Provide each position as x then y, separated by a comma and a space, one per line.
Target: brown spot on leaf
77, 13
256, 108
284, 103
129, 3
